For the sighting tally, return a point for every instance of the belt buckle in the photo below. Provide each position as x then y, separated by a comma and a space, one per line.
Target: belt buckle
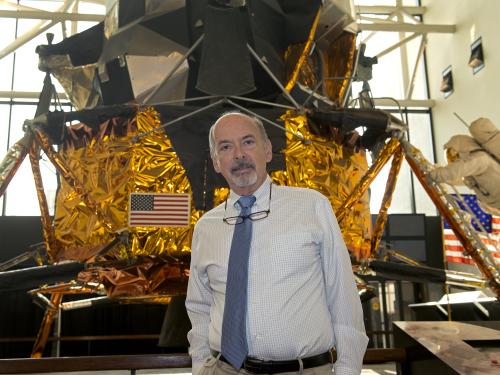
259, 366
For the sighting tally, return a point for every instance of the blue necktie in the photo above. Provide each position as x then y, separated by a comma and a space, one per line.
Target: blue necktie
234, 346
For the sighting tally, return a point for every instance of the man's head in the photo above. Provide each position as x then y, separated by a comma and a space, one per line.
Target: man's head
240, 150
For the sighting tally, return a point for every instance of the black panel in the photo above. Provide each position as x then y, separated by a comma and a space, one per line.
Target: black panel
406, 234
406, 225
17, 234
415, 249
83, 331
118, 89
19, 318
83, 48
172, 25
225, 67
130, 10
434, 238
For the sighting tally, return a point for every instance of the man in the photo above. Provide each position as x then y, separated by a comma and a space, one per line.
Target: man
298, 290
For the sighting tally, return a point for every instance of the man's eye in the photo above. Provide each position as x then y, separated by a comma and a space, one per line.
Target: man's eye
249, 142
224, 148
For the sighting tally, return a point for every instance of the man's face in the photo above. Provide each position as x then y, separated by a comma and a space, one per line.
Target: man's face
241, 154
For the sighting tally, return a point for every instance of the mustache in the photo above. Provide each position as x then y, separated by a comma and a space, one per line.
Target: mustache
241, 164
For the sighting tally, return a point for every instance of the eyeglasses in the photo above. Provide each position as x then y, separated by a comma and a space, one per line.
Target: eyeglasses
254, 216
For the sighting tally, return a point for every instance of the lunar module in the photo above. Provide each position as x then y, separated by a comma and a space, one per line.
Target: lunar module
146, 85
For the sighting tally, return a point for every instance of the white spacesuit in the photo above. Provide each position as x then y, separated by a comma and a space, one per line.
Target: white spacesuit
473, 162
487, 135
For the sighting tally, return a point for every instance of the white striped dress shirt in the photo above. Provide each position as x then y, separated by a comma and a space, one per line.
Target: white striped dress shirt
302, 297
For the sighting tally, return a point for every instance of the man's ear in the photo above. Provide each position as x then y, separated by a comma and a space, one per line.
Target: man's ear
215, 162
269, 150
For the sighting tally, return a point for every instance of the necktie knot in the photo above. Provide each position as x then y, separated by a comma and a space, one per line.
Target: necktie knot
246, 202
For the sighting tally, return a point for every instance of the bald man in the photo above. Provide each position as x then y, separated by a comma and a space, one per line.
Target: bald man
295, 281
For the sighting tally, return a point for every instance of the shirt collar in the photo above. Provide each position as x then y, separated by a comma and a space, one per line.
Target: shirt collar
261, 195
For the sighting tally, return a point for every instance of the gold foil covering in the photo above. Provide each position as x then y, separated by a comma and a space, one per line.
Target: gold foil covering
303, 56
334, 171
145, 277
364, 183
336, 61
45, 326
81, 194
156, 168
113, 165
397, 161
307, 72
48, 230
13, 160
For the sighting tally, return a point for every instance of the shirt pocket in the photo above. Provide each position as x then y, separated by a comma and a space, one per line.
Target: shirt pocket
292, 253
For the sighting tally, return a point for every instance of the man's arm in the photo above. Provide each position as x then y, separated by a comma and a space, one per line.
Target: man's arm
342, 297
198, 301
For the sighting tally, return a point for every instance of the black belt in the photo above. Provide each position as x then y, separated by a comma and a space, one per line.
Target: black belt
257, 366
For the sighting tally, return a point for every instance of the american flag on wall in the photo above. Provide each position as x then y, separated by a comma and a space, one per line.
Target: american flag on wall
453, 248
159, 210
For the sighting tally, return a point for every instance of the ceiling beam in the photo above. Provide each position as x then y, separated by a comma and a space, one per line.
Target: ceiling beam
39, 28
405, 103
407, 27
380, 9
398, 44
13, 95
53, 16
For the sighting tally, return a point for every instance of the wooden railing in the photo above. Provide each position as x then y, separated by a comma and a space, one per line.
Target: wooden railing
97, 363
140, 362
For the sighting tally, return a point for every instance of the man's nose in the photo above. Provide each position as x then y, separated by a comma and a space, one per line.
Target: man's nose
238, 153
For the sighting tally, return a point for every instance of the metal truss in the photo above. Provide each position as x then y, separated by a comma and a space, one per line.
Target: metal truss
68, 11
407, 22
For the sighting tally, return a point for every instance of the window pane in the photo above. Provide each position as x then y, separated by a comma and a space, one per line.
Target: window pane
20, 112
420, 135
7, 36
27, 58
21, 197
4, 128
387, 73
402, 196
420, 87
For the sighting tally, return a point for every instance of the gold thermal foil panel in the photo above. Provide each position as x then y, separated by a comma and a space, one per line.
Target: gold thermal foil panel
111, 164
333, 170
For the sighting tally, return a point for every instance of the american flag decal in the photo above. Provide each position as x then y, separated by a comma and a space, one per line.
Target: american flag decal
454, 250
159, 210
